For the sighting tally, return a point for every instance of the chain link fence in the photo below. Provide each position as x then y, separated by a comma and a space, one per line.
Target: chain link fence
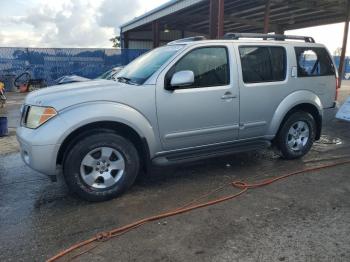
346, 66
48, 64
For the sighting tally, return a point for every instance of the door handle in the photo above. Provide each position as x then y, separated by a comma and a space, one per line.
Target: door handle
228, 95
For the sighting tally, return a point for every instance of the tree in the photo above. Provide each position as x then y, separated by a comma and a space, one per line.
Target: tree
116, 41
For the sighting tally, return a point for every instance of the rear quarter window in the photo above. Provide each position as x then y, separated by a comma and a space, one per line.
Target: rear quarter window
313, 62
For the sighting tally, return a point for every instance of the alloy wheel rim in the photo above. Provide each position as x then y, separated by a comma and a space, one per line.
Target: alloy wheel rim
102, 167
298, 136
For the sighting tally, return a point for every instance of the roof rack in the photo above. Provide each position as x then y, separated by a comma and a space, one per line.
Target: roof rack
188, 39
237, 36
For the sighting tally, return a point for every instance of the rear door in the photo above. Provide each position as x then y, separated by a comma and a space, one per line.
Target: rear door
263, 85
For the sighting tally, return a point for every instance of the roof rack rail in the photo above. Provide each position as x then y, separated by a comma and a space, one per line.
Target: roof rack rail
236, 36
188, 39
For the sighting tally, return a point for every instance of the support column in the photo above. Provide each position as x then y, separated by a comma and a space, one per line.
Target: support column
182, 33
123, 40
155, 33
126, 40
279, 30
345, 42
267, 16
216, 19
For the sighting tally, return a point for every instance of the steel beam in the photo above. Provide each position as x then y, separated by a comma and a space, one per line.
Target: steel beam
124, 40
216, 19
267, 16
251, 22
345, 42
155, 33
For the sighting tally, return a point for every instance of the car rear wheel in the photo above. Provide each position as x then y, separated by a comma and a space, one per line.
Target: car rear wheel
101, 166
296, 135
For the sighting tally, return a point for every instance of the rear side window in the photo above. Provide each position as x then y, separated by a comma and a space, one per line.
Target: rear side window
210, 66
263, 63
313, 62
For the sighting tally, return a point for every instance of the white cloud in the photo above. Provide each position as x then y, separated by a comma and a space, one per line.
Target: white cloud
115, 12
70, 23
329, 35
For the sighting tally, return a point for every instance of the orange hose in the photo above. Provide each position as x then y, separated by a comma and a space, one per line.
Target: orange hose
104, 236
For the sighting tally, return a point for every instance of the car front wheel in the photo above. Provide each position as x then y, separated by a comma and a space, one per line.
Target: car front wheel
101, 166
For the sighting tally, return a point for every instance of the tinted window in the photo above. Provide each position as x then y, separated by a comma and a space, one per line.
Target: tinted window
313, 62
209, 65
263, 64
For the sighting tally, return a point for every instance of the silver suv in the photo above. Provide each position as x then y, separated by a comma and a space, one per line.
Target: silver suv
189, 100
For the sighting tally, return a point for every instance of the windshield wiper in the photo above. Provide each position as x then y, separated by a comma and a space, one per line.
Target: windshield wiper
125, 80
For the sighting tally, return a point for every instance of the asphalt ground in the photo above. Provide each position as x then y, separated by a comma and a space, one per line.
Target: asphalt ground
305, 218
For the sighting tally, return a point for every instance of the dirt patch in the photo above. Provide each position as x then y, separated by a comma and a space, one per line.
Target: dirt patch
9, 144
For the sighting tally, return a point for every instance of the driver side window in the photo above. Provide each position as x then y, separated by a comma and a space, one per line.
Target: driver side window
210, 66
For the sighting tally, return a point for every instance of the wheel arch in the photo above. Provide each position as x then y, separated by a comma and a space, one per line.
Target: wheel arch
308, 108
122, 129
298, 101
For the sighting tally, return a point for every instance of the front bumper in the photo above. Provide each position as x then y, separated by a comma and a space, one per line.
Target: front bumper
41, 158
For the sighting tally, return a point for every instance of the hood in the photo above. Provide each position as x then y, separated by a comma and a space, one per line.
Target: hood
62, 96
70, 79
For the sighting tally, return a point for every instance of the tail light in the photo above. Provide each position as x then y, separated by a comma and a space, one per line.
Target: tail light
337, 86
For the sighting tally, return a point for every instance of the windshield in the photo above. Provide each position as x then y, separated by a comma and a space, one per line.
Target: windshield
105, 75
110, 73
144, 67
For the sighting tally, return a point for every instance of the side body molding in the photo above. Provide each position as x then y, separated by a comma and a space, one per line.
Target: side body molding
292, 100
83, 114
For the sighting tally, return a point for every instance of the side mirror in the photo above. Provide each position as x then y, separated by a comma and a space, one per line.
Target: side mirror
181, 79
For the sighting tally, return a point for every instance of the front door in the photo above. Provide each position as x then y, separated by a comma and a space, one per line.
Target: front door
206, 112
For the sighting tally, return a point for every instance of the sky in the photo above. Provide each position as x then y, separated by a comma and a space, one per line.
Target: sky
91, 23
67, 23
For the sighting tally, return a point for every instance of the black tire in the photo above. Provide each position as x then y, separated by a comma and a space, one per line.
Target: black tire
283, 137
76, 154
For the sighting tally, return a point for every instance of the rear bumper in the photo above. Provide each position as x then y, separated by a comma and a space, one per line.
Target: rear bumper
329, 113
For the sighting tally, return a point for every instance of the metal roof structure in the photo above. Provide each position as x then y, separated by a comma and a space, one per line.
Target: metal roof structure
213, 18
242, 15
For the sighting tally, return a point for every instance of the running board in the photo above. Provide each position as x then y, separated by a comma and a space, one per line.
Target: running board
209, 152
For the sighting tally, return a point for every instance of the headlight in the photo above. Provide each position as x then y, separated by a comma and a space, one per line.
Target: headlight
38, 115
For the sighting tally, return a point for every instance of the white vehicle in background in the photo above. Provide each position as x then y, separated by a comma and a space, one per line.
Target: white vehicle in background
75, 78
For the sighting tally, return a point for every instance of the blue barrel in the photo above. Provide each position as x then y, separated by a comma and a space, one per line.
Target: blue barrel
3, 126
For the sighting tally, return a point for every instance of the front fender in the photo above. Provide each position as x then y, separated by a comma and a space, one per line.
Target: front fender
291, 101
83, 114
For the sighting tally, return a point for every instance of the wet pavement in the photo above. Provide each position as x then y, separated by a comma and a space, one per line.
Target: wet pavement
304, 218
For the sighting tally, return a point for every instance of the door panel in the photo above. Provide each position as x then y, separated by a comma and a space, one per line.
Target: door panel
196, 115
263, 83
